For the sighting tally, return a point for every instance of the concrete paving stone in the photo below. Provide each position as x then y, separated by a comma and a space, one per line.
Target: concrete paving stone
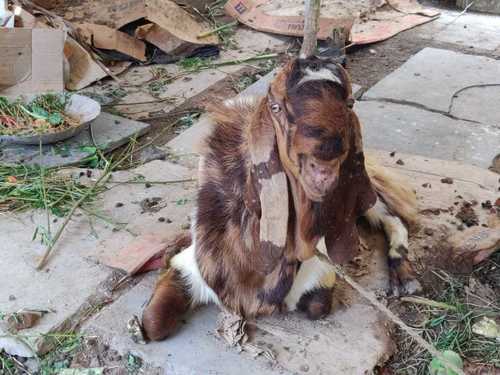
487, 6
472, 30
73, 273
249, 43
109, 131
431, 78
397, 127
327, 346
193, 350
478, 104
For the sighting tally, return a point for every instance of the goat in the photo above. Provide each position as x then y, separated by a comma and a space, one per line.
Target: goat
280, 176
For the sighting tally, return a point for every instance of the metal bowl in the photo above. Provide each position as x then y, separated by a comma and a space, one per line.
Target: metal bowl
79, 107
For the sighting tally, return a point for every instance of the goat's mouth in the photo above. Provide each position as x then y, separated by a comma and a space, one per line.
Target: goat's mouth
318, 179
313, 193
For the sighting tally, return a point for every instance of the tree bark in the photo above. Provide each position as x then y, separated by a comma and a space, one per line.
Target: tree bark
311, 26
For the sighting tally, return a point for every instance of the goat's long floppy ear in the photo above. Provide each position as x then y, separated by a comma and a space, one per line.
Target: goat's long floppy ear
270, 189
352, 198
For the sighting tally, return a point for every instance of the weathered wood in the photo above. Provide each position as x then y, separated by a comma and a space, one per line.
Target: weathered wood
311, 25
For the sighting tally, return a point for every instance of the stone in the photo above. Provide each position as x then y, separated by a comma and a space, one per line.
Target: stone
390, 126
486, 6
472, 30
73, 275
442, 74
109, 132
326, 346
478, 104
194, 349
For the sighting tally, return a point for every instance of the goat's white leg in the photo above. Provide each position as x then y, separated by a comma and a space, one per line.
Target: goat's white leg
185, 263
311, 290
402, 275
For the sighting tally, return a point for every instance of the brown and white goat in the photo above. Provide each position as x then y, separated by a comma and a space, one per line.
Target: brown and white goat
280, 176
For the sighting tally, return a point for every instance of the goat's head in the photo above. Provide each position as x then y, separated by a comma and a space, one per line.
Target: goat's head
310, 102
318, 138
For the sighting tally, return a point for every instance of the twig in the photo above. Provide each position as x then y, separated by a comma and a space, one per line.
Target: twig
217, 29
459, 15
44, 192
311, 26
107, 172
393, 317
428, 302
155, 182
53, 241
244, 60
138, 103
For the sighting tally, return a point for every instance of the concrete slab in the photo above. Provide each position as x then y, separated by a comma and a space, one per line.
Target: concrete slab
193, 350
397, 127
472, 30
248, 43
487, 6
73, 274
301, 346
109, 131
431, 78
478, 104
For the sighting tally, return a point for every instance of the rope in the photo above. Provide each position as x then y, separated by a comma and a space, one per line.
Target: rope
393, 317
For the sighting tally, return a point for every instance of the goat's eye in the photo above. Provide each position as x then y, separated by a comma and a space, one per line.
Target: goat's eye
275, 108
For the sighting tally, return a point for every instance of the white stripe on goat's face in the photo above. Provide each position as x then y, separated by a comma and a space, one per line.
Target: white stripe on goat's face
322, 74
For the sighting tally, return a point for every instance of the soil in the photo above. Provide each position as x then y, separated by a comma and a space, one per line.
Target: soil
467, 214
93, 353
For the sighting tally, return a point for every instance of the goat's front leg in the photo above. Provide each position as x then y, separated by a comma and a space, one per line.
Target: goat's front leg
312, 289
401, 273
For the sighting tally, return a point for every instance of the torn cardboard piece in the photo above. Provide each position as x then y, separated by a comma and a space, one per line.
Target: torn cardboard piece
249, 13
164, 40
391, 19
165, 13
104, 37
143, 253
83, 69
369, 24
32, 61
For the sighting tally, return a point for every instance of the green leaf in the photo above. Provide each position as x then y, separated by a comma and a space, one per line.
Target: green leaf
39, 111
55, 118
439, 367
88, 149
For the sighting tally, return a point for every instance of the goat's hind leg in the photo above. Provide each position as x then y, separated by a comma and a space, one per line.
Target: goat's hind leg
401, 273
170, 301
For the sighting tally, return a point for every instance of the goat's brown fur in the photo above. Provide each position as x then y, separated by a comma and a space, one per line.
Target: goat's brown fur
255, 222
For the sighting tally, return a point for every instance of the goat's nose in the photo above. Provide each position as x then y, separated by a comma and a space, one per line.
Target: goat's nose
320, 169
321, 173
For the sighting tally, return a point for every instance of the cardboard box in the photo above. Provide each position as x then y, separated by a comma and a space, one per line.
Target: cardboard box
32, 61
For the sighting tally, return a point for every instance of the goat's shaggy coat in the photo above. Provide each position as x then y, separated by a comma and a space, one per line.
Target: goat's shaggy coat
258, 220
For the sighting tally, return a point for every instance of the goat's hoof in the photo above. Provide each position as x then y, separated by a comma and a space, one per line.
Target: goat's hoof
402, 277
317, 303
407, 287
